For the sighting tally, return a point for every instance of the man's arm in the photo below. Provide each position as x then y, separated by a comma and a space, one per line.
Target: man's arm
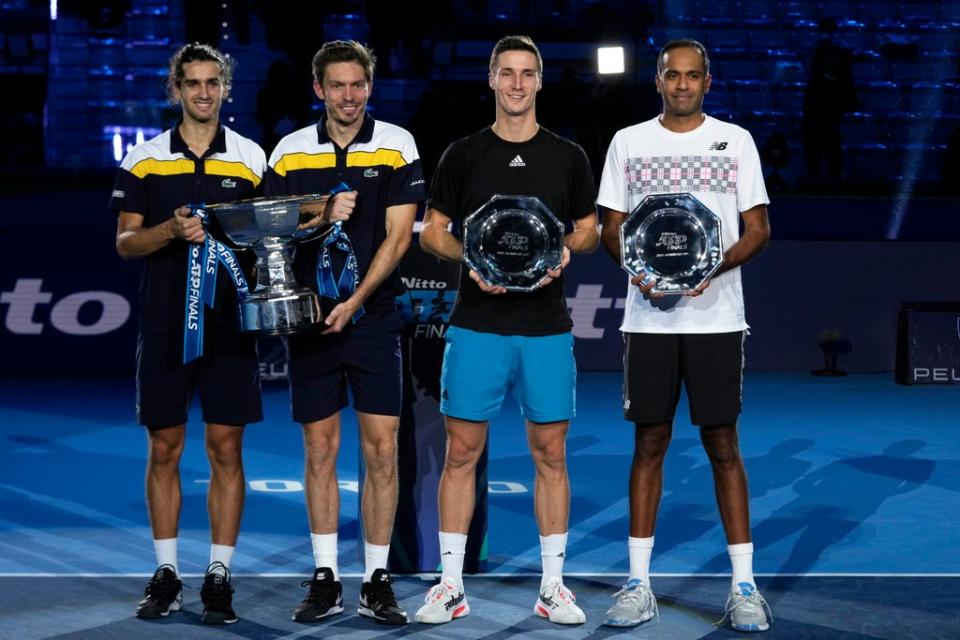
399, 223
585, 236
583, 239
753, 240
135, 241
610, 233
755, 237
436, 239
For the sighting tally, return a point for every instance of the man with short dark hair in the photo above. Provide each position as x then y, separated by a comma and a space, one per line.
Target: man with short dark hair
695, 338
376, 169
497, 338
198, 161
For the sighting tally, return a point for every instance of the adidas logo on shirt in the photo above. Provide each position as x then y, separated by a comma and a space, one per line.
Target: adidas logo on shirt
518, 162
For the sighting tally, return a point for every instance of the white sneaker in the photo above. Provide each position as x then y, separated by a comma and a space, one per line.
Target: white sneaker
746, 609
444, 602
558, 604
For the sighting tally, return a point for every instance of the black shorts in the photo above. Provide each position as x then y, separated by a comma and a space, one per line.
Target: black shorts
365, 355
709, 364
227, 377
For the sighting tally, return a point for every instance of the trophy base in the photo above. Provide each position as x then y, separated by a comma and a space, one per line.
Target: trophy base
293, 313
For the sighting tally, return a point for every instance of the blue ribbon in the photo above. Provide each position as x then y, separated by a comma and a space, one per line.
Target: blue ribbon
201, 285
345, 285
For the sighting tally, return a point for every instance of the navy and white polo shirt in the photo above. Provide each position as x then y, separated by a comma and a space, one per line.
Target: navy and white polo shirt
161, 175
382, 164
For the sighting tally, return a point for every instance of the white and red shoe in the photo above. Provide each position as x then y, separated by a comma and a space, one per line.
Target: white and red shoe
444, 602
558, 604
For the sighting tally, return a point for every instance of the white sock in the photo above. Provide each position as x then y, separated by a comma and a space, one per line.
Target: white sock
325, 552
376, 558
453, 546
741, 557
166, 550
552, 551
221, 553
640, 550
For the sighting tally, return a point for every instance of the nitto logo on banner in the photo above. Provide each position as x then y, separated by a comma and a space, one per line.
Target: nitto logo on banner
28, 295
420, 283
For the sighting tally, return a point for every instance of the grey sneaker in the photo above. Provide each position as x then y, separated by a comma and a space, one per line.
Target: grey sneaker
746, 610
635, 604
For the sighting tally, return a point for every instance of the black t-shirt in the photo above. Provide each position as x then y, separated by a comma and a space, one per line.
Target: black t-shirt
481, 165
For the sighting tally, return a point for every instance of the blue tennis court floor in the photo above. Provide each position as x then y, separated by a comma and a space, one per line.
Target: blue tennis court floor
855, 484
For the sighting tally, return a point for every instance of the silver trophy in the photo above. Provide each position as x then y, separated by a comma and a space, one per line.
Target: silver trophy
673, 238
277, 304
511, 241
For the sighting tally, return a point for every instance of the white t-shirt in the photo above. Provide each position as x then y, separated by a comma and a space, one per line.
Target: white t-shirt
718, 164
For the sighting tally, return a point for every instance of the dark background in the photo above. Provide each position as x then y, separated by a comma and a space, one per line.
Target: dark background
855, 107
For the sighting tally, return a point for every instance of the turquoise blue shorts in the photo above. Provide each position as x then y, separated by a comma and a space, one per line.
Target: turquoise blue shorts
478, 368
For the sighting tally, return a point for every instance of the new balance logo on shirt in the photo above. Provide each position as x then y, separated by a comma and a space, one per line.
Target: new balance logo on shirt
518, 162
718, 146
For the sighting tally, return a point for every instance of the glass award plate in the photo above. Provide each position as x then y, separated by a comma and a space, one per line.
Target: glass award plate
511, 241
673, 238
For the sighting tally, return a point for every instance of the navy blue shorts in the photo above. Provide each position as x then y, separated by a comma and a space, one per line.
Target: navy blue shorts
227, 377
365, 356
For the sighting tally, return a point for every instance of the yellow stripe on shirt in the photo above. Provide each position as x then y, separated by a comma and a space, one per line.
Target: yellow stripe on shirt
227, 168
152, 166
296, 161
380, 157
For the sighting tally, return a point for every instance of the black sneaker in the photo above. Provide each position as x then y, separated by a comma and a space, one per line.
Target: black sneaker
216, 594
325, 597
163, 594
378, 602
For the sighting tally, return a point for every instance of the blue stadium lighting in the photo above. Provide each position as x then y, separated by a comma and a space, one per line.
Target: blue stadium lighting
117, 146
53, 9
914, 158
124, 137
132, 131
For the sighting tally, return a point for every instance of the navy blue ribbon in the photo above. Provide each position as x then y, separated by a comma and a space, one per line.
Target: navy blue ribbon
201, 286
345, 285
